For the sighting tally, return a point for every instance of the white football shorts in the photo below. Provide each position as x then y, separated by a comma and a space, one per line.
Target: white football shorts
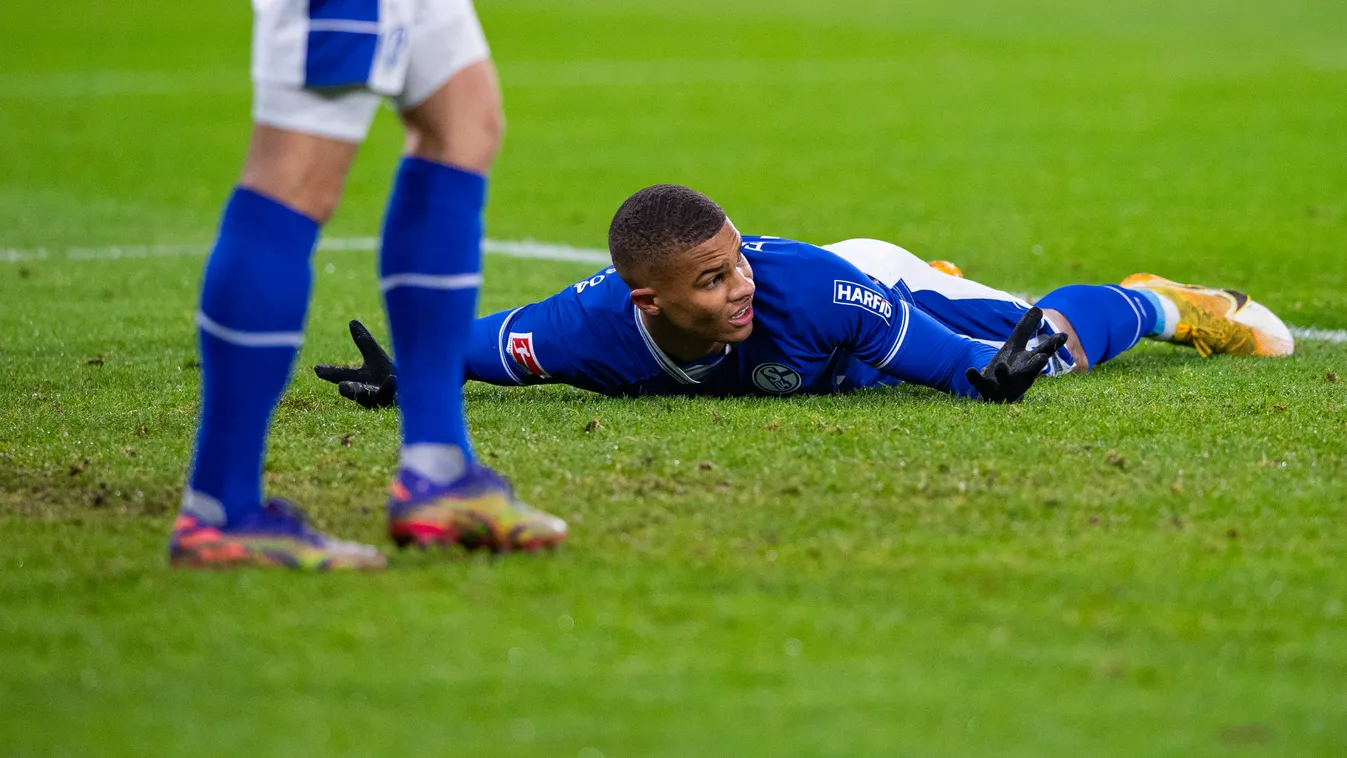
322, 66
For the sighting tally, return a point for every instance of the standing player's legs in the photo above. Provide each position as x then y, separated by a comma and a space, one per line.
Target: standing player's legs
430, 266
430, 271
311, 110
254, 299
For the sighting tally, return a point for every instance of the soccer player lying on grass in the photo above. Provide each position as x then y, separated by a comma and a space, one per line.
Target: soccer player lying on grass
690, 307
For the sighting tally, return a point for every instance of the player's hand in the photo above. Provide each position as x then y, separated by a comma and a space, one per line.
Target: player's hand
372, 384
371, 395
1015, 367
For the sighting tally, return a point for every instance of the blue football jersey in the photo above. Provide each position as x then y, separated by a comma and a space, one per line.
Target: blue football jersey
820, 326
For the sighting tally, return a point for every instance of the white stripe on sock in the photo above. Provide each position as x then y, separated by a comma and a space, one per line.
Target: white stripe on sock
1135, 311
428, 281
248, 339
1169, 313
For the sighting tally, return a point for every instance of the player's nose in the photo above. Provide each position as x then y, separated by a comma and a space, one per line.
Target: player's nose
744, 288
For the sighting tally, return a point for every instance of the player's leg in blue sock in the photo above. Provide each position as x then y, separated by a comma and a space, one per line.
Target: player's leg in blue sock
430, 271
1109, 320
250, 325
254, 298
431, 262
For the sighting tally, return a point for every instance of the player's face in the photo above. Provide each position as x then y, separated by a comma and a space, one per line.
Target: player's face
708, 290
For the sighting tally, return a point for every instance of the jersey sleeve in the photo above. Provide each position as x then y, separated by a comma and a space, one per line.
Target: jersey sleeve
889, 333
533, 344
925, 351
553, 341
487, 361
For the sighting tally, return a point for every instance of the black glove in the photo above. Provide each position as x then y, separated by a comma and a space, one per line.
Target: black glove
1014, 367
372, 384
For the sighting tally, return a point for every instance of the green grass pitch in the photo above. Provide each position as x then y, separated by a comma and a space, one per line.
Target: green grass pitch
1145, 561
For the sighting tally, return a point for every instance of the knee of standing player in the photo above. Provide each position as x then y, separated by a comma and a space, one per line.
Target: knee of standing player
317, 199
322, 197
304, 172
469, 139
492, 126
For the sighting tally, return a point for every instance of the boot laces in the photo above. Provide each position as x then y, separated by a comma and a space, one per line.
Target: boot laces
1208, 339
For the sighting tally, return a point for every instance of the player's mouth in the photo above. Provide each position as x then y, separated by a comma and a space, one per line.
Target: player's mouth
744, 316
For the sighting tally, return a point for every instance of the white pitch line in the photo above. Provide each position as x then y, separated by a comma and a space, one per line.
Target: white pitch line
1315, 334
530, 249
545, 251
513, 248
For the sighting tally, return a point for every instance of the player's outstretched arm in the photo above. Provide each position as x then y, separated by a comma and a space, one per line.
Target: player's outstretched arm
1015, 367
372, 383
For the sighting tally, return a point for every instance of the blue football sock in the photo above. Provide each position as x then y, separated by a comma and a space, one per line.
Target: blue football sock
1109, 320
430, 270
253, 302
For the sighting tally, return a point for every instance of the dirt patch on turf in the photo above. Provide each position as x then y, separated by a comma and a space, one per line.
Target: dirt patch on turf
59, 495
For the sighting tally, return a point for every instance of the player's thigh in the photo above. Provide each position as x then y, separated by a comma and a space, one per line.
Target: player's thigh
451, 104
302, 167
461, 123
884, 261
966, 306
316, 68
890, 263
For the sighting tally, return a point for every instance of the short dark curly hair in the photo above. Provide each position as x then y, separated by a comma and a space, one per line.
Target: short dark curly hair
656, 222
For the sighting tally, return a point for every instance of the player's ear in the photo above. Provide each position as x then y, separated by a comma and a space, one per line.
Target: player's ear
644, 298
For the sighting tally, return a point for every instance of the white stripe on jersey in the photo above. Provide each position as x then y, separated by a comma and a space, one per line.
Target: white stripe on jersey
665, 363
902, 336
500, 347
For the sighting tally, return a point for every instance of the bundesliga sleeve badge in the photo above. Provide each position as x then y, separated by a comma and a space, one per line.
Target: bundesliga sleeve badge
520, 346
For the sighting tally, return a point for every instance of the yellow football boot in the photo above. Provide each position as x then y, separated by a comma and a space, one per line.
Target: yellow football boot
1216, 321
945, 267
